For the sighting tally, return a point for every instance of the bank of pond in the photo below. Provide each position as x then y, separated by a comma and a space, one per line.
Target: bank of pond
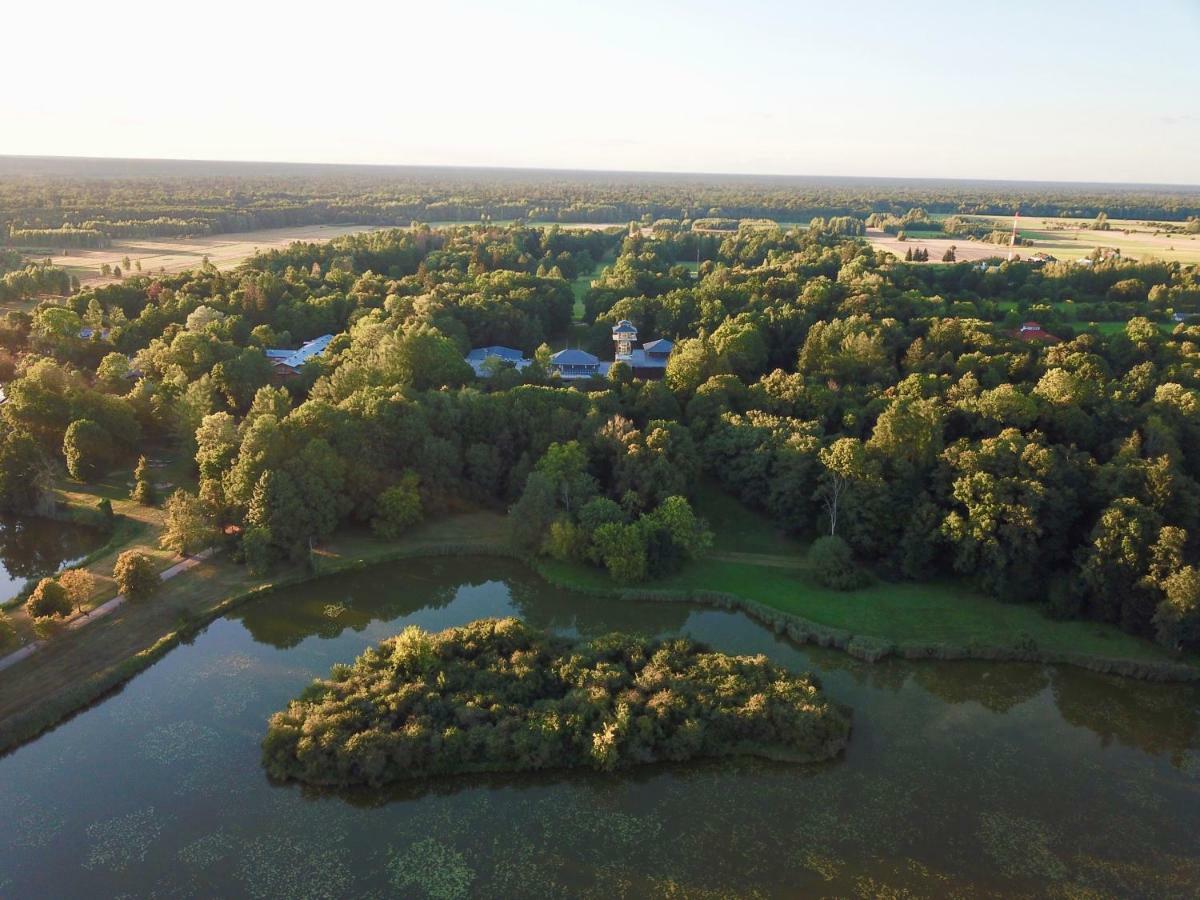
32, 548
967, 777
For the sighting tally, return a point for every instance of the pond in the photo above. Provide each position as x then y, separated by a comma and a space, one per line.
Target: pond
964, 778
35, 548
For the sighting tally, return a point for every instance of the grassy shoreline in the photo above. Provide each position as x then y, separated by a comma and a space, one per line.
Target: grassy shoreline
190, 603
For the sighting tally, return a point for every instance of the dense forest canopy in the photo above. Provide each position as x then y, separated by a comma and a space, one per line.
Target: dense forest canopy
49, 202
498, 695
954, 420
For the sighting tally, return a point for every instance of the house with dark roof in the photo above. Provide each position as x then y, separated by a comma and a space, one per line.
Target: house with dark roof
650, 361
478, 359
1032, 331
576, 364
288, 363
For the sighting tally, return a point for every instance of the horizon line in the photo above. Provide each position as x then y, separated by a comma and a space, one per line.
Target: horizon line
563, 170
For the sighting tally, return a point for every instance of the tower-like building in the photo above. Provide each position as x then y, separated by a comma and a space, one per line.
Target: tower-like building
624, 336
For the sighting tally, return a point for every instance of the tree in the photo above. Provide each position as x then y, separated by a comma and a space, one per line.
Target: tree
88, 449
135, 576
143, 487
566, 467
189, 525
79, 584
48, 599
846, 463
24, 480
533, 512
949, 255
112, 374
622, 548
1177, 618
398, 508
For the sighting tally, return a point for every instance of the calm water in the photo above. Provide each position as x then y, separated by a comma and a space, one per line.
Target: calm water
961, 778
34, 548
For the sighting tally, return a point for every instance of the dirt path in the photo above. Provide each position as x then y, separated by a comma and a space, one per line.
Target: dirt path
771, 560
104, 609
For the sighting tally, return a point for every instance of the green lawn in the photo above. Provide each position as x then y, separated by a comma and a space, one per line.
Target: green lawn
945, 611
739, 529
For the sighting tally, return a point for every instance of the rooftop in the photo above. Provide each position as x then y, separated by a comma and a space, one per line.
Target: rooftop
478, 358
506, 353
294, 359
624, 327
573, 357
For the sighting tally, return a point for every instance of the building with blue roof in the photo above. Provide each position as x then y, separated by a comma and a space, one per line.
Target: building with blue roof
478, 358
650, 361
289, 362
575, 364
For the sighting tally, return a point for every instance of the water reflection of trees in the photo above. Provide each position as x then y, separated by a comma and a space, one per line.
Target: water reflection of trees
290, 616
995, 686
33, 547
554, 609
1155, 718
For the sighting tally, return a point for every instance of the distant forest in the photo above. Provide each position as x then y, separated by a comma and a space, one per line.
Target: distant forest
58, 202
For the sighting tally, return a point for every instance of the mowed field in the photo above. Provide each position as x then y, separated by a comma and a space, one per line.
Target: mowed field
1063, 238
178, 254
964, 250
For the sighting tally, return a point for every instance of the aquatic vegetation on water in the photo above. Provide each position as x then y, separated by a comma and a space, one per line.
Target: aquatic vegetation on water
207, 851
1021, 847
124, 841
433, 870
288, 863
178, 742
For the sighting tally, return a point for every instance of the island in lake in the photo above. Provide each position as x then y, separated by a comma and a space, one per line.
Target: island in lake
498, 695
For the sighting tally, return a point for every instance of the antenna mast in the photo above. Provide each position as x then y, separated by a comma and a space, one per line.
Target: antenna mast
1012, 244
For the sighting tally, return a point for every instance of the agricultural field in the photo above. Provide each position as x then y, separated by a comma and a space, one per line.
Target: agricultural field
1060, 237
179, 254
1074, 239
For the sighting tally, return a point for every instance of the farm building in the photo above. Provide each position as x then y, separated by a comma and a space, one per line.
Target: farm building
478, 359
288, 363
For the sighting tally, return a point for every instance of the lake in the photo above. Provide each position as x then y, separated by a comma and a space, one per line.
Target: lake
34, 548
965, 778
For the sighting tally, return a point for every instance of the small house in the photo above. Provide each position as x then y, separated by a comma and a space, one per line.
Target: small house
1033, 331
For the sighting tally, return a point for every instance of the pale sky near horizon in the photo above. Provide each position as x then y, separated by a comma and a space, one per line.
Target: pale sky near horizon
1052, 90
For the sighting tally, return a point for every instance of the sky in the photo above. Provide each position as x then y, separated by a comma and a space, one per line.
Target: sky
1025, 89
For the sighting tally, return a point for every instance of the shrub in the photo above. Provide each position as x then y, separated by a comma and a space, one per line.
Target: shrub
49, 598
834, 566
143, 487
7, 632
135, 575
